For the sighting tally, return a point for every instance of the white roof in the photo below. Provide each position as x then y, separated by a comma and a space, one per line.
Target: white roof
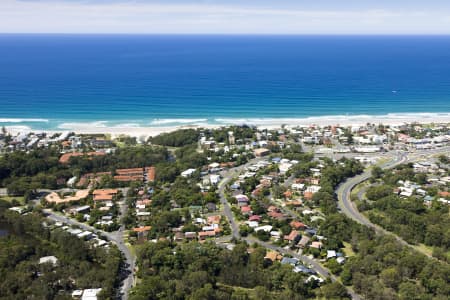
188, 172
74, 231
266, 228
90, 294
252, 224
340, 260
84, 234
48, 259
331, 253
314, 278
77, 293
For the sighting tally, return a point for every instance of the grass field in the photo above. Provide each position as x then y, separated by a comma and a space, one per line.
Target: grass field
11, 198
348, 249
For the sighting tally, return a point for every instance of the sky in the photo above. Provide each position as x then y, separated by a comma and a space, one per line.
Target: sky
419, 17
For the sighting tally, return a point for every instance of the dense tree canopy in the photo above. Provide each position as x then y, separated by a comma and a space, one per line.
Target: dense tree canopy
79, 266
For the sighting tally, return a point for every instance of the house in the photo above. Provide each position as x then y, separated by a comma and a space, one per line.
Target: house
74, 231
252, 224
276, 215
151, 173
331, 254
296, 202
272, 208
266, 228
246, 210
298, 186
179, 236
273, 256
214, 219
78, 210
297, 225
104, 194
314, 278
289, 260
284, 167
211, 206
76, 294
86, 235
292, 237
90, 294
242, 200
255, 218
48, 260
202, 235
340, 260
143, 215
65, 158
288, 194
261, 152
308, 195
188, 173
214, 179
142, 232
316, 245
313, 189
444, 194
303, 269
125, 175
190, 235
303, 241
311, 231
235, 186
142, 229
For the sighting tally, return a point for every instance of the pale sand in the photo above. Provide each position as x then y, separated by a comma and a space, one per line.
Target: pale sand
275, 123
55, 198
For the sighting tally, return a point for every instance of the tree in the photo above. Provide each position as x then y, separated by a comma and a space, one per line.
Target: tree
377, 172
334, 266
409, 290
391, 277
443, 159
334, 290
240, 295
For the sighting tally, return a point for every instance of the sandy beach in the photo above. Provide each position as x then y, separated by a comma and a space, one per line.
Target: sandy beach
268, 123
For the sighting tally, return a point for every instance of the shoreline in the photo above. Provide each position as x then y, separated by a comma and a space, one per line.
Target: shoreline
16, 126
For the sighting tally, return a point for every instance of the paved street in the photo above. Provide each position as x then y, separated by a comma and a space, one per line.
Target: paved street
115, 237
344, 190
311, 263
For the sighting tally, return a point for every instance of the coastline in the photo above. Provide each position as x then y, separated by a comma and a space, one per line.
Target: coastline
159, 126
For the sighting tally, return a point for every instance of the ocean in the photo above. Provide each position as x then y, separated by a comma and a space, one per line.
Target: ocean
64, 81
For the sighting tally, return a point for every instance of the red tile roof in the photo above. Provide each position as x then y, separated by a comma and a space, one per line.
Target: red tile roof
151, 173
297, 224
291, 236
142, 229
66, 156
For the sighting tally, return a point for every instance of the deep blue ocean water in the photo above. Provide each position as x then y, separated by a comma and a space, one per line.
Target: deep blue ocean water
161, 80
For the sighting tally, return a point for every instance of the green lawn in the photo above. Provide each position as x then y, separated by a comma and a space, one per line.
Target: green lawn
11, 198
348, 249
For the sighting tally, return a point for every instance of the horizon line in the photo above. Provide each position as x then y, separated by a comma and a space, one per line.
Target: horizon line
231, 34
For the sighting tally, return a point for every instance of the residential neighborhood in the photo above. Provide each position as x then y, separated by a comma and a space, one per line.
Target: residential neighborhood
272, 190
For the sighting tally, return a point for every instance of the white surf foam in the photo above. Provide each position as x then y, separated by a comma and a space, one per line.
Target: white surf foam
83, 125
178, 121
20, 120
390, 118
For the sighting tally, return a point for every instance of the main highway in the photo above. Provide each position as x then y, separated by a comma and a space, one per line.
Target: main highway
345, 189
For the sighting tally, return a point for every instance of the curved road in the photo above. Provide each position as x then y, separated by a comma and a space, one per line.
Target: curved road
115, 237
349, 209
